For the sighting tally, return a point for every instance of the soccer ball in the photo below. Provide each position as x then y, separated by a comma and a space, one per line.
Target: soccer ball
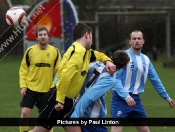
16, 16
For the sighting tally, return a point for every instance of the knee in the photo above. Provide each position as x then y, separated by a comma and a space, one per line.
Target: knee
146, 130
25, 112
143, 129
116, 129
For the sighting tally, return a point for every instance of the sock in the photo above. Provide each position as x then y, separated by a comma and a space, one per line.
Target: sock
51, 130
23, 128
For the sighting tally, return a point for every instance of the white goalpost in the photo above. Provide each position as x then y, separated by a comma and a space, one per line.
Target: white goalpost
165, 13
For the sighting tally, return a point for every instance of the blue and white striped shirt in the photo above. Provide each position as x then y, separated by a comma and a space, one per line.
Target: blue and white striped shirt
92, 103
133, 78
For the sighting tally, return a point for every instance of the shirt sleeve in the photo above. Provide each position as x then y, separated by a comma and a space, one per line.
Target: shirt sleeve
92, 94
57, 67
99, 56
23, 71
67, 73
119, 87
156, 82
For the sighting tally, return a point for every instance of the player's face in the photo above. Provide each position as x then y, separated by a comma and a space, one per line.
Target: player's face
136, 41
89, 40
42, 37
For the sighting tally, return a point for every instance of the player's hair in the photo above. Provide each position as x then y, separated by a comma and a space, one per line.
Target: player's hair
41, 29
137, 31
79, 30
120, 58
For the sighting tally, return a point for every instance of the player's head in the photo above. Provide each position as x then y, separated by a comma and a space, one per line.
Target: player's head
42, 35
120, 59
41, 29
136, 40
80, 31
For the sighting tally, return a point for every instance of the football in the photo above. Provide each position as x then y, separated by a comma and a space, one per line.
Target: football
16, 16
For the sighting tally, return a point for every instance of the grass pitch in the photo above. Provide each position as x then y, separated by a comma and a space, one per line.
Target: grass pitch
154, 105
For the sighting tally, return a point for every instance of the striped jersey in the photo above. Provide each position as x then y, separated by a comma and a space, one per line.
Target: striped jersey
97, 83
133, 78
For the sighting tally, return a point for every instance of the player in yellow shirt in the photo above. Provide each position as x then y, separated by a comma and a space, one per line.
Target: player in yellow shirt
36, 72
59, 102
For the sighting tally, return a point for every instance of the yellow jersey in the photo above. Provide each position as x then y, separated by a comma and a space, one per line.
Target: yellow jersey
37, 68
73, 70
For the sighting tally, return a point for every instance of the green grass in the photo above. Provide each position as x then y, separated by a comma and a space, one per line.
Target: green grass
154, 105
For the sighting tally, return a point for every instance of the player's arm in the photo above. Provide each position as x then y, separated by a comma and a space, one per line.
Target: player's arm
119, 87
121, 91
93, 93
23, 71
57, 67
98, 56
57, 63
157, 84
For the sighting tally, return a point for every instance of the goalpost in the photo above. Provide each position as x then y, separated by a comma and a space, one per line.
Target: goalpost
165, 13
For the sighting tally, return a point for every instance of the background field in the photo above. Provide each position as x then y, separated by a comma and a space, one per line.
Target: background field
154, 105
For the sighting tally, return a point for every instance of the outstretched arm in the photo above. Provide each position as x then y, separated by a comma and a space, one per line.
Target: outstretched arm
156, 82
92, 94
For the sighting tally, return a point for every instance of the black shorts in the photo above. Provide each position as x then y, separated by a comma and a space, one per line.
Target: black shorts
30, 99
48, 116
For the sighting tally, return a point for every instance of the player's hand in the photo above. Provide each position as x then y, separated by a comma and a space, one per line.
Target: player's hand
110, 67
59, 107
23, 91
130, 101
171, 103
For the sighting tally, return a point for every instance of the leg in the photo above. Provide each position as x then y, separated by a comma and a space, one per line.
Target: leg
119, 109
94, 129
27, 105
142, 129
25, 114
36, 129
140, 118
40, 129
48, 115
72, 129
116, 129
